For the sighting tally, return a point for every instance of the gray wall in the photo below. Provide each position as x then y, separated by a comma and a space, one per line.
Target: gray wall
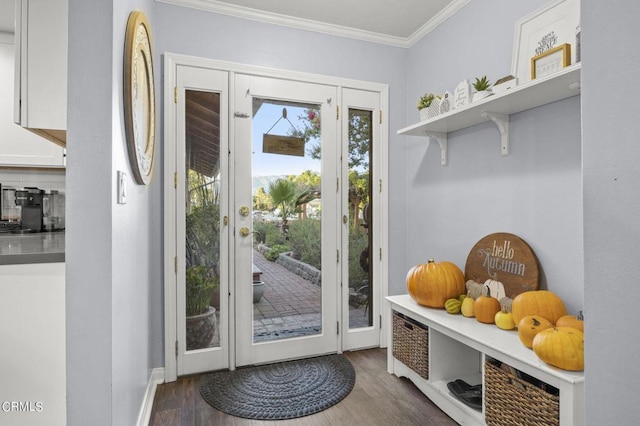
114, 258
535, 192
611, 191
226, 38
114, 267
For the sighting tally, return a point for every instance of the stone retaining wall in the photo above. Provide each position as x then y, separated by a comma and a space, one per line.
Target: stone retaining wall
302, 269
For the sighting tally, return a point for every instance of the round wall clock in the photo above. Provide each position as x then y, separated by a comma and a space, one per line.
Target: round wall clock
139, 100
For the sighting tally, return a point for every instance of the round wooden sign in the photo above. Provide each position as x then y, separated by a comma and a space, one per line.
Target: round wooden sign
506, 258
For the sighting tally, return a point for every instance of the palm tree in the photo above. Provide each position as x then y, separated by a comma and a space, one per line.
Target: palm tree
283, 194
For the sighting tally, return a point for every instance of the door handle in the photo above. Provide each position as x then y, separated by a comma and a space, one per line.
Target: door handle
245, 232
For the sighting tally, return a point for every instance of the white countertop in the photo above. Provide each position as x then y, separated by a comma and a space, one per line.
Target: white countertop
39, 247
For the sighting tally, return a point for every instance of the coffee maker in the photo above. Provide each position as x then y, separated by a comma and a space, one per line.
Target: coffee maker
53, 206
30, 200
10, 217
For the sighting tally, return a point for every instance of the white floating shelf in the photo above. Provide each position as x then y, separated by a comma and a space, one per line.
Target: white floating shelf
497, 108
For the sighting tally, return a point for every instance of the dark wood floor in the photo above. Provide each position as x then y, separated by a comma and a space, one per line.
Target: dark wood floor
378, 398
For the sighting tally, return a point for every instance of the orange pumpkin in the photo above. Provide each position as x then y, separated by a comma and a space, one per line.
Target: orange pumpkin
561, 347
530, 326
570, 321
485, 309
538, 302
431, 284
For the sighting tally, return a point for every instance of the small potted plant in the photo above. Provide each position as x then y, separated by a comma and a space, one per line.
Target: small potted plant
427, 107
483, 88
201, 319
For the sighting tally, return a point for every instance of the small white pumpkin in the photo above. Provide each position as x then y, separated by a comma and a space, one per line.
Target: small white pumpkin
475, 289
496, 289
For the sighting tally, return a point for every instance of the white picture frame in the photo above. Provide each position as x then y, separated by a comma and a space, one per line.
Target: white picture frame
555, 22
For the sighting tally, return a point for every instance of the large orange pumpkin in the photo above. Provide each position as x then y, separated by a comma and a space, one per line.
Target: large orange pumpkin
530, 326
431, 284
562, 347
538, 302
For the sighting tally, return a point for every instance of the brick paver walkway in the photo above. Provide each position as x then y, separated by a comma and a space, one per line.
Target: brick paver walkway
291, 305
286, 293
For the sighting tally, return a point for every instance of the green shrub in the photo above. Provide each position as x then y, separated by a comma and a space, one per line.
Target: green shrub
304, 237
274, 251
274, 236
260, 231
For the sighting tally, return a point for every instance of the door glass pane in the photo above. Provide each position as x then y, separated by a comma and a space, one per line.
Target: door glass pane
202, 209
287, 207
360, 216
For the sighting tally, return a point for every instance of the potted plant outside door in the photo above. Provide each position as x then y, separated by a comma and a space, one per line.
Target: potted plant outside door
201, 323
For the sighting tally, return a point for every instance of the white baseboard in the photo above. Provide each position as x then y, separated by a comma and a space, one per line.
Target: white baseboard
156, 378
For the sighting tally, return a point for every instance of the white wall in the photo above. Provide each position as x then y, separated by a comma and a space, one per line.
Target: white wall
114, 258
32, 360
611, 170
535, 192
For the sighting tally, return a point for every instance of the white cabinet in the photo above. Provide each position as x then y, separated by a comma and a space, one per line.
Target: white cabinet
33, 356
497, 108
459, 347
18, 146
41, 68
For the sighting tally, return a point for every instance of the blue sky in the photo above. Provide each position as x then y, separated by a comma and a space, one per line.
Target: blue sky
275, 164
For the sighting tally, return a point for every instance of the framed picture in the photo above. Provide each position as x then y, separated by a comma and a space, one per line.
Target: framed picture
551, 61
551, 26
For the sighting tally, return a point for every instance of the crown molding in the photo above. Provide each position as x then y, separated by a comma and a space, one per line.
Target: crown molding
446, 13
321, 27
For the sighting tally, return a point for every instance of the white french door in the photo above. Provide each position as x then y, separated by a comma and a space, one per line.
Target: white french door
197, 220
260, 166
363, 210
266, 118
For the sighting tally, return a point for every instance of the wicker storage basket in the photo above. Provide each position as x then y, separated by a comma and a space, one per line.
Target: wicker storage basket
411, 344
511, 401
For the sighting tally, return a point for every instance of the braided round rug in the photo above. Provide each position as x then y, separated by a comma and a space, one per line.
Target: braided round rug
285, 390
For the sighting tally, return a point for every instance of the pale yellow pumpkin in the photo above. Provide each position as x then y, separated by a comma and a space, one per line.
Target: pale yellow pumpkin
561, 347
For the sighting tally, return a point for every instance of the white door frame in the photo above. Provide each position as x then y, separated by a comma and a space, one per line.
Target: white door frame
171, 62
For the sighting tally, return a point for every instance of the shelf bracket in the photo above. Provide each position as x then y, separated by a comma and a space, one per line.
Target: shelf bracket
502, 121
442, 140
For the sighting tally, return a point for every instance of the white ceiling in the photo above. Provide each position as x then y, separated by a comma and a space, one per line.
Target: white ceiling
399, 22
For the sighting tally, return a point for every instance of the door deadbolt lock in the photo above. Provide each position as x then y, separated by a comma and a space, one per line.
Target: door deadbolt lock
244, 211
344, 219
245, 232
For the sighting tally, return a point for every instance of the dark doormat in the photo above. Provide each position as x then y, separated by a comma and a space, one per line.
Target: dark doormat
285, 390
